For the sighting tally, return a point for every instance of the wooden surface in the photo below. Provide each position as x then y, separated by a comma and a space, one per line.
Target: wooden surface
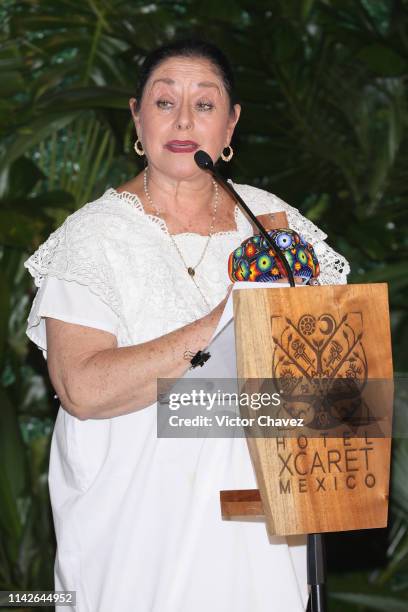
239, 504
271, 221
314, 483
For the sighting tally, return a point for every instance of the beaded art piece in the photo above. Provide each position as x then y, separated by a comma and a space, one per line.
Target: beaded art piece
255, 261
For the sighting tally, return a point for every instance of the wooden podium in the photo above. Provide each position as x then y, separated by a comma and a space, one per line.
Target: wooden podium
328, 479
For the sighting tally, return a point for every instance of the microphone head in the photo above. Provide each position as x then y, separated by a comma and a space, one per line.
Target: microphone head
203, 160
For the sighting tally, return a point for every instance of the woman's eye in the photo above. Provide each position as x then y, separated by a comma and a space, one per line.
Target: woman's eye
205, 106
163, 103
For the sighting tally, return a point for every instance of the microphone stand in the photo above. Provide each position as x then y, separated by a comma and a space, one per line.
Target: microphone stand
316, 559
204, 161
316, 573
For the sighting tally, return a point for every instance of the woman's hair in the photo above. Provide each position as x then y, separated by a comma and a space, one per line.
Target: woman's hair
190, 48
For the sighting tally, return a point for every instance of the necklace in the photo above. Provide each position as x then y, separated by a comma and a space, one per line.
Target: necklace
190, 269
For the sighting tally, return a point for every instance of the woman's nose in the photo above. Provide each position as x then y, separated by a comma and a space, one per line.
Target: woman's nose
184, 119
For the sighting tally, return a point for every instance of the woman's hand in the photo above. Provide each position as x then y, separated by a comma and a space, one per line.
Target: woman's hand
206, 326
214, 316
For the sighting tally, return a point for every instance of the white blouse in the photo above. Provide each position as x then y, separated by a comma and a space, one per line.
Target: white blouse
137, 517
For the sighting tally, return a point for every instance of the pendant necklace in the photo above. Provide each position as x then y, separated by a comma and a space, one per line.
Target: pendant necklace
190, 269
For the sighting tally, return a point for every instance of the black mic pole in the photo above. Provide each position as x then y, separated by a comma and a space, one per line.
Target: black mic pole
316, 573
204, 161
316, 562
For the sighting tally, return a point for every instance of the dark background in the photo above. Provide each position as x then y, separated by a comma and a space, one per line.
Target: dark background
324, 126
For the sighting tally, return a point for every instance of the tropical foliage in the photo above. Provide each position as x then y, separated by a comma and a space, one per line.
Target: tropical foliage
324, 125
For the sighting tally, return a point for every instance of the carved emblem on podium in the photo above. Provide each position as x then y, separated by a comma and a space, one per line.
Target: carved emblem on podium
322, 367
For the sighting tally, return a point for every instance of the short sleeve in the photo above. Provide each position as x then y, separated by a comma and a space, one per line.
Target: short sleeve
71, 302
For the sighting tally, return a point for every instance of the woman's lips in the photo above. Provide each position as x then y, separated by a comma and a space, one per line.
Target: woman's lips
181, 146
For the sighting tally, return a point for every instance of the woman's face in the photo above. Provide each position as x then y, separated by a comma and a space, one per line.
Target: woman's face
185, 107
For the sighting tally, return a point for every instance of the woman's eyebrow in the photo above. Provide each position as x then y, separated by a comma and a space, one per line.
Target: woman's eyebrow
209, 84
164, 80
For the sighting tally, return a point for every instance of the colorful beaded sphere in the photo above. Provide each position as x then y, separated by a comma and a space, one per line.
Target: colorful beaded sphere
255, 261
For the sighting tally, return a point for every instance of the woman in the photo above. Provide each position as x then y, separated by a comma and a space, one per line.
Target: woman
130, 286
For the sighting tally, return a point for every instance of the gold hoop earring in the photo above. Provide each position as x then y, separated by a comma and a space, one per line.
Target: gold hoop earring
227, 156
139, 148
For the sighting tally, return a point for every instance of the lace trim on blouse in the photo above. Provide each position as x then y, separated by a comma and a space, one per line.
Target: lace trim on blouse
135, 202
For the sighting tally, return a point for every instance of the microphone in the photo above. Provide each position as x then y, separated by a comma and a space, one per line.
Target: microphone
204, 161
